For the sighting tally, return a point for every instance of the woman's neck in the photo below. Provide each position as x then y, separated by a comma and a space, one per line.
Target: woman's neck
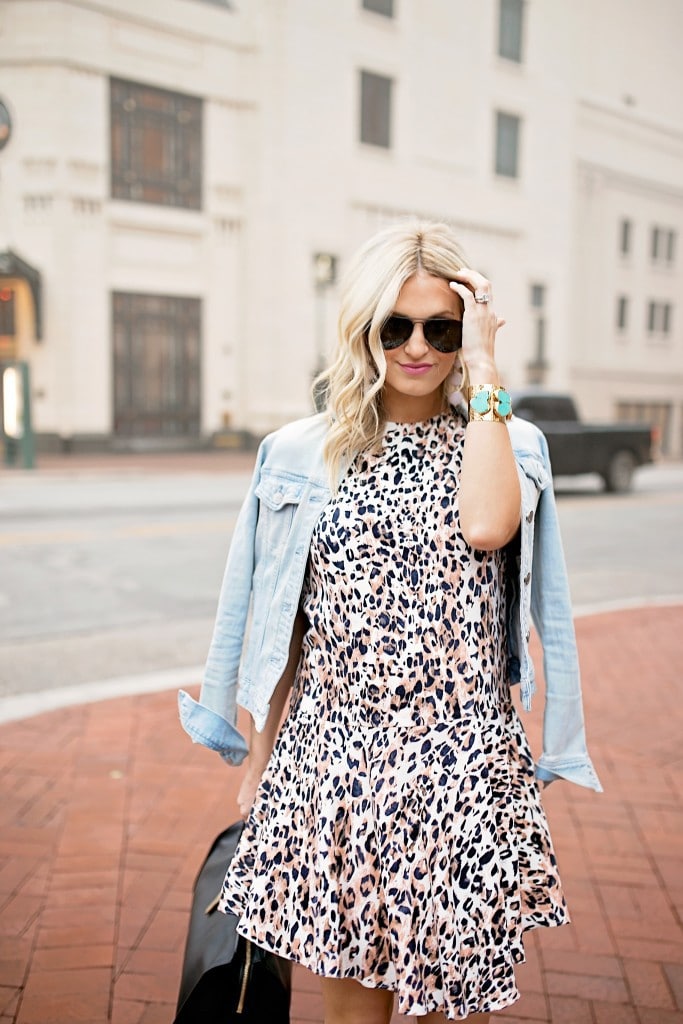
412, 409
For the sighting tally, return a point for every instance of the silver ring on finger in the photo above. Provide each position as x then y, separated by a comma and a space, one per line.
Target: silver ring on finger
482, 297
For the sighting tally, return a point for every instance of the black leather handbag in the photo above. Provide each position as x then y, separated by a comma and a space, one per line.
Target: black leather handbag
226, 979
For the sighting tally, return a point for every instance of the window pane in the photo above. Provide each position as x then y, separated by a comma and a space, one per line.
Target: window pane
157, 365
540, 341
538, 296
622, 312
651, 316
156, 145
385, 7
666, 317
671, 247
510, 29
375, 109
625, 237
654, 243
507, 144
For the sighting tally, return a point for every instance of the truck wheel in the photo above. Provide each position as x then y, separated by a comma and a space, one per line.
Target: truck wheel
619, 475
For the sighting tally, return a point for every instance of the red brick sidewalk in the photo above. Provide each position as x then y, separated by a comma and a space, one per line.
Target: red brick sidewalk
107, 811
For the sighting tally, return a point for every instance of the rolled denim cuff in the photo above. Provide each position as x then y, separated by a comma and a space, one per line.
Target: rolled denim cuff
211, 730
581, 772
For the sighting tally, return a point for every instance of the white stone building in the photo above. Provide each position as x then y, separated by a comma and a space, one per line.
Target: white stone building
188, 178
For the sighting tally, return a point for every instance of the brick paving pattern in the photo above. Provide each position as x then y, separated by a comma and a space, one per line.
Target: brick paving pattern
108, 809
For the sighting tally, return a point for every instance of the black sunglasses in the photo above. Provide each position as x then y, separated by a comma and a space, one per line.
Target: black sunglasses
442, 334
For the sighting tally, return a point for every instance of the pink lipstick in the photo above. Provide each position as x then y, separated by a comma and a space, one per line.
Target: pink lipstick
415, 369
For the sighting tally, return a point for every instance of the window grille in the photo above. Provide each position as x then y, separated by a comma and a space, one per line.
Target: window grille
157, 365
156, 145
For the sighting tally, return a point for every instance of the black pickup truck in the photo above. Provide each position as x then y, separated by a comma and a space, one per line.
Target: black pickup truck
614, 451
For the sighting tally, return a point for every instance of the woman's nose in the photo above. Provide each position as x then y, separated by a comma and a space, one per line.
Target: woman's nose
416, 343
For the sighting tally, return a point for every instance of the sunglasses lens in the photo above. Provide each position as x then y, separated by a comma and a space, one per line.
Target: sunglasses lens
444, 335
396, 331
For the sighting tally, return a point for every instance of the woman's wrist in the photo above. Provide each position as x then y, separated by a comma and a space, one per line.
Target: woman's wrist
483, 373
488, 402
256, 765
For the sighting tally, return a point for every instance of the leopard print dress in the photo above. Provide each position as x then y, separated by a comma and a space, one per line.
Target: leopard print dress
397, 836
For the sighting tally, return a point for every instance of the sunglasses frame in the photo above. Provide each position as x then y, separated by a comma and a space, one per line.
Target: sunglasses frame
425, 330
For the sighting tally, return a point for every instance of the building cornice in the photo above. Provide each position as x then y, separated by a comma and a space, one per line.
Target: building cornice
394, 213
592, 173
155, 79
626, 116
133, 12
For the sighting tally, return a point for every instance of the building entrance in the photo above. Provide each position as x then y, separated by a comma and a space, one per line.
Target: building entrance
157, 365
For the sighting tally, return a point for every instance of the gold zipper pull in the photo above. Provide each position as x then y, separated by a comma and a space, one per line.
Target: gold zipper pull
213, 905
245, 977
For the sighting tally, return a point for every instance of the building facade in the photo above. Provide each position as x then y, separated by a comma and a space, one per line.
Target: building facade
188, 179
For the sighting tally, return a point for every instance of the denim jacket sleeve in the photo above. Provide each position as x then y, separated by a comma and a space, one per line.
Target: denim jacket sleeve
564, 741
211, 720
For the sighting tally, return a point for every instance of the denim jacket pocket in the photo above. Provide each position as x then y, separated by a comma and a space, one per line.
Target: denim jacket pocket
275, 490
279, 497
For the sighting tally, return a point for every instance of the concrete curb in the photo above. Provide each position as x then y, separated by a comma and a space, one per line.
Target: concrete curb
584, 611
28, 705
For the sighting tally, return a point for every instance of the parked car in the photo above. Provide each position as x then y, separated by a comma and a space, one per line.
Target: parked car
613, 450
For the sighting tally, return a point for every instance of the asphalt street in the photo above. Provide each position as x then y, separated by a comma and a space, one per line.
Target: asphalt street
110, 573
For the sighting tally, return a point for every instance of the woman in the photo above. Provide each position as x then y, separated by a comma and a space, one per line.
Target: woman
393, 550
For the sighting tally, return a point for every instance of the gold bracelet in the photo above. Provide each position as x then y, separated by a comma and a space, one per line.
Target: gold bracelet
489, 402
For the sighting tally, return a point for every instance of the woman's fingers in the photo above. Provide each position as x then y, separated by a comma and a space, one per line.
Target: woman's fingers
472, 301
480, 322
462, 290
475, 285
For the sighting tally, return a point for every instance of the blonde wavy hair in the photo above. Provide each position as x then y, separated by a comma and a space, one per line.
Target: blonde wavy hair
354, 383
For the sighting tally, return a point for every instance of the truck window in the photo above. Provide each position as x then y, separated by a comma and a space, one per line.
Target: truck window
549, 408
546, 408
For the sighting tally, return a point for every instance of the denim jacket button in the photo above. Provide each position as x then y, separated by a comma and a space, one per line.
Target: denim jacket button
528, 636
527, 579
530, 516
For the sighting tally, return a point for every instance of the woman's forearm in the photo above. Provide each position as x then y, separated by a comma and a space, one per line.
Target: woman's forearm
261, 743
489, 497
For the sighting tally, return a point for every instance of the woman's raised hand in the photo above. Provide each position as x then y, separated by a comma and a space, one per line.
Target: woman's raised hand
479, 326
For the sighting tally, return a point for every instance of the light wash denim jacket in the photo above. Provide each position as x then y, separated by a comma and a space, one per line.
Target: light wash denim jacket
265, 572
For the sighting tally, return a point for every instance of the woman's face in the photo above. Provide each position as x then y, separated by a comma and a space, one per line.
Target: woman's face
416, 371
